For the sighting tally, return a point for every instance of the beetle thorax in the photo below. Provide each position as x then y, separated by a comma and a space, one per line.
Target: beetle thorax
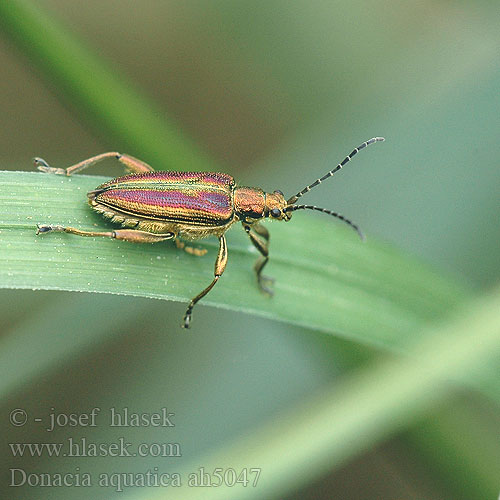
249, 202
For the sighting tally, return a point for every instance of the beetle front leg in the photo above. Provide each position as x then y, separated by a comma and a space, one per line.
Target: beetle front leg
261, 242
132, 235
131, 163
220, 265
261, 230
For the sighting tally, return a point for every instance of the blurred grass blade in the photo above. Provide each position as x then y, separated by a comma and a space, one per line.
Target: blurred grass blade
97, 90
462, 444
39, 344
335, 426
326, 278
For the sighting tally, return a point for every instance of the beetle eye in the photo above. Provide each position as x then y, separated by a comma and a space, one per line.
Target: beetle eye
275, 212
277, 191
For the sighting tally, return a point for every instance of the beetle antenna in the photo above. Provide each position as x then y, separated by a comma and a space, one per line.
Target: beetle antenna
347, 159
329, 212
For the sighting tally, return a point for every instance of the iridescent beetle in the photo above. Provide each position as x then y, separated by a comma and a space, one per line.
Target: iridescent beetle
159, 206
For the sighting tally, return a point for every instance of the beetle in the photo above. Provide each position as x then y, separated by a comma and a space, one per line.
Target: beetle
156, 206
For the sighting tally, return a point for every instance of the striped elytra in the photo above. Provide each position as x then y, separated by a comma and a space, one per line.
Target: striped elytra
203, 198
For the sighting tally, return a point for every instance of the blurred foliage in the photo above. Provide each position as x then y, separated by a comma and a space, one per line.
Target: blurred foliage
286, 89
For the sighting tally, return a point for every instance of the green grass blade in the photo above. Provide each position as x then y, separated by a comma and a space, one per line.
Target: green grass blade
461, 443
326, 278
98, 90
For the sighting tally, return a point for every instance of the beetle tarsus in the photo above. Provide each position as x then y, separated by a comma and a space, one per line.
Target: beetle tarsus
43, 166
187, 317
47, 228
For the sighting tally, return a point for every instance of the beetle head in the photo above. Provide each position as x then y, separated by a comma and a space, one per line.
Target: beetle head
276, 206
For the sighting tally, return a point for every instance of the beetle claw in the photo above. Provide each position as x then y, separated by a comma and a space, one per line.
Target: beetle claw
40, 162
187, 321
42, 228
266, 280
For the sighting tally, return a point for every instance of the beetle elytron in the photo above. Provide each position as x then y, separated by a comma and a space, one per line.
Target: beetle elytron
164, 205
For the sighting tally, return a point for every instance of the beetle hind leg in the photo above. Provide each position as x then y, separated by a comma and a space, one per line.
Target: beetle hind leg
132, 235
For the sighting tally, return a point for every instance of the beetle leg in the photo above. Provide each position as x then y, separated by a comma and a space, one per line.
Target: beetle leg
134, 165
220, 265
131, 163
261, 230
132, 235
261, 242
199, 252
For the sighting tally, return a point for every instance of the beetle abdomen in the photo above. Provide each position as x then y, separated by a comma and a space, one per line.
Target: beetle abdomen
203, 198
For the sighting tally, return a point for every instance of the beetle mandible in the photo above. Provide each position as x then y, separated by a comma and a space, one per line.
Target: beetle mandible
164, 205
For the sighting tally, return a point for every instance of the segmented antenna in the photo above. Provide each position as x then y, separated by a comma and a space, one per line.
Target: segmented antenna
347, 159
329, 212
